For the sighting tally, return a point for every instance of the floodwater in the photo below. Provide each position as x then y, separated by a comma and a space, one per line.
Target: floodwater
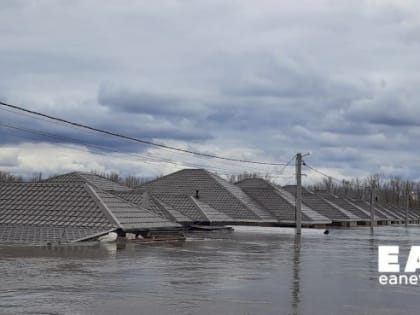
245, 272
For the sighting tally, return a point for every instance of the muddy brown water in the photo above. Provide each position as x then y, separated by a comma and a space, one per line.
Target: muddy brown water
239, 273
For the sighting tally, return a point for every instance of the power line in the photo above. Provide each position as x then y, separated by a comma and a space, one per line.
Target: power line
287, 164
321, 173
118, 135
144, 158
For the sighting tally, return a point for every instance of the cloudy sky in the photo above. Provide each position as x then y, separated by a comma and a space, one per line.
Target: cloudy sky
245, 79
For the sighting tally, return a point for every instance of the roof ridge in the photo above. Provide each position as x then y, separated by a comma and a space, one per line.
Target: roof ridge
163, 205
132, 204
102, 205
165, 176
228, 190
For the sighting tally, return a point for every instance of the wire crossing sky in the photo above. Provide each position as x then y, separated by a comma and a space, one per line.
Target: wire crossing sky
248, 80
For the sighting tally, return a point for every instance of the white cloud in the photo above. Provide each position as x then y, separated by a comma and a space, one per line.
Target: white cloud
260, 79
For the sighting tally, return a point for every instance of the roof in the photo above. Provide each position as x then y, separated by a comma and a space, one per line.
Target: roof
177, 207
213, 191
345, 204
182, 204
131, 217
48, 211
28, 234
278, 202
379, 215
43, 210
322, 206
92, 179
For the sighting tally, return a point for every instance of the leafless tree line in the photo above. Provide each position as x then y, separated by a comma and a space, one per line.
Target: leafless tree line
130, 181
388, 189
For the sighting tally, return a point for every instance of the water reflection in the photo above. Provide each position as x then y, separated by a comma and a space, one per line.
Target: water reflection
243, 273
296, 274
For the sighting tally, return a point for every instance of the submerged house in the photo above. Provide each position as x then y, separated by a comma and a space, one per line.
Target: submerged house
280, 203
205, 198
183, 209
337, 214
65, 212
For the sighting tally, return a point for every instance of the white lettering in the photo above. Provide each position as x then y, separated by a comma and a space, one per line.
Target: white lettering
414, 280
388, 259
413, 261
383, 279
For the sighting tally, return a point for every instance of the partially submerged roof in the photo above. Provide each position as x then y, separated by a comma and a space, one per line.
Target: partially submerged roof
213, 191
155, 205
131, 217
67, 212
89, 178
379, 215
36, 212
324, 207
278, 202
343, 203
177, 207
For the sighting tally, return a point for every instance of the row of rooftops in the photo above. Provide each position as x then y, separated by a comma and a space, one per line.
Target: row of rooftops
80, 206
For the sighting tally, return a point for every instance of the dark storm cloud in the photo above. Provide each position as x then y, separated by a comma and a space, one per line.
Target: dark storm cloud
140, 101
336, 78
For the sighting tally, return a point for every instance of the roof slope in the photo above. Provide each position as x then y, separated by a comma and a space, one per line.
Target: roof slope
365, 205
211, 214
182, 204
42, 211
92, 179
131, 217
213, 190
277, 201
153, 204
67, 212
321, 206
343, 203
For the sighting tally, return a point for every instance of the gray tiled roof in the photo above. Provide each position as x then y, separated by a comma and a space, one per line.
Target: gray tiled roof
321, 206
173, 214
130, 216
182, 204
392, 214
274, 200
92, 179
344, 204
50, 204
213, 191
28, 234
245, 199
401, 212
67, 211
365, 205
49, 211
211, 214
153, 204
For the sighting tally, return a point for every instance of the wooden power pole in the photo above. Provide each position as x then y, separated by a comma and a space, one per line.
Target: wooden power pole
407, 203
372, 205
298, 193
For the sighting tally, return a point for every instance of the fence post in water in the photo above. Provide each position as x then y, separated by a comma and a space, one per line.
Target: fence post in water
298, 193
372, 205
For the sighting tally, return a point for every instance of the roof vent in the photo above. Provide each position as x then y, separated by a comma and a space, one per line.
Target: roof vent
197, 195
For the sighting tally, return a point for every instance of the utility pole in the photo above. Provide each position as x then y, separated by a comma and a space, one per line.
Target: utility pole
330, 184
298, 193
407, 203
372, 205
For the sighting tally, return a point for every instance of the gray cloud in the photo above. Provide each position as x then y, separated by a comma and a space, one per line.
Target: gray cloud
262, 79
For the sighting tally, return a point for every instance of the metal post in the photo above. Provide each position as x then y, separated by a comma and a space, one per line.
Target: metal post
330, 184
372, 205
298, 193
407, 204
